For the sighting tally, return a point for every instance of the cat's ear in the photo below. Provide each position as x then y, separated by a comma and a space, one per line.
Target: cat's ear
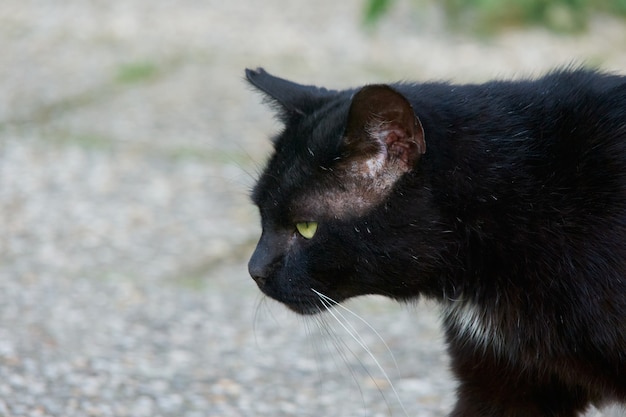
383, 128
290, 98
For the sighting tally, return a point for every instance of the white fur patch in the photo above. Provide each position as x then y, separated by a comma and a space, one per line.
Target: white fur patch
365, 184
369, 168
472, 324
375, 165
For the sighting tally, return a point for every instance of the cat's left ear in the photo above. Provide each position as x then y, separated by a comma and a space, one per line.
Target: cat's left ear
290, 98
383, 127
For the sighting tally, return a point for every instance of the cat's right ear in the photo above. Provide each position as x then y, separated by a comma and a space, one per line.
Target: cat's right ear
288, 97
384, 130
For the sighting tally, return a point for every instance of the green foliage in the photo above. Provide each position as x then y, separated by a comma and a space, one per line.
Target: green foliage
491, 15
136, 72
375, 9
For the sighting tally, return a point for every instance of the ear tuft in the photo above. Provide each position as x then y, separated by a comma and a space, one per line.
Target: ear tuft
382, 123
290, 98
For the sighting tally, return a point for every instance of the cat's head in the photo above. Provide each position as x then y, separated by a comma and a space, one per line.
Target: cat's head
324, 196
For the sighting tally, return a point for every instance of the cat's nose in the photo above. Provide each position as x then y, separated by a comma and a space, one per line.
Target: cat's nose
265, 258
258, 273
258, 266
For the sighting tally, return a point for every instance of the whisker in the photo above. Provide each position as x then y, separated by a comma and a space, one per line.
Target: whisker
329, 302
316, 349
339, 346
336, 304
263, 304
255, 320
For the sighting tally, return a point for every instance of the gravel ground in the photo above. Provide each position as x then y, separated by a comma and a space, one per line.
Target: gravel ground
128, 142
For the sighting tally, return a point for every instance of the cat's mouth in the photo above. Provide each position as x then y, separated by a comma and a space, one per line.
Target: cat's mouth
306, 309
306, 304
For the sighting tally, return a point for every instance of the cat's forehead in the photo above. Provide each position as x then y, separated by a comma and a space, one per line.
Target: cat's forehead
312, 176
317, 133
301, 189
306, 150
347, 195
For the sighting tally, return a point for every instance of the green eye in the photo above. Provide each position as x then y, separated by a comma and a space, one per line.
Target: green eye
307, 229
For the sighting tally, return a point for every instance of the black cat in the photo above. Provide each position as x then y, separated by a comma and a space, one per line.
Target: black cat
504, 201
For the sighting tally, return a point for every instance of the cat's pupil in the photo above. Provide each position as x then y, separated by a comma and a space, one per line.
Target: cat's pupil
307, 229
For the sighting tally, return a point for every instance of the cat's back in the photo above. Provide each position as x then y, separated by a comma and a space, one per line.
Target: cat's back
564, 91
564, 133
532, 174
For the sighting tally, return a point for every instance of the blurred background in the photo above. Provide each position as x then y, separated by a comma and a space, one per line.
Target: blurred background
128, 144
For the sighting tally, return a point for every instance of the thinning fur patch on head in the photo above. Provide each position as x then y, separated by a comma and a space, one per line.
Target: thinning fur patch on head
374, 166
361, 186
335, 203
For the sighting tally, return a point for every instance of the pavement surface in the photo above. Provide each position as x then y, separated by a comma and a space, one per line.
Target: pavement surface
128, 144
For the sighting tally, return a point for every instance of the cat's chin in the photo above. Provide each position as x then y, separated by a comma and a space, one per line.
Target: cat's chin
313, 306
306, 310
308, 307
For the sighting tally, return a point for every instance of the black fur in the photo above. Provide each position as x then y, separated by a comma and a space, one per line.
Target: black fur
514, 218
